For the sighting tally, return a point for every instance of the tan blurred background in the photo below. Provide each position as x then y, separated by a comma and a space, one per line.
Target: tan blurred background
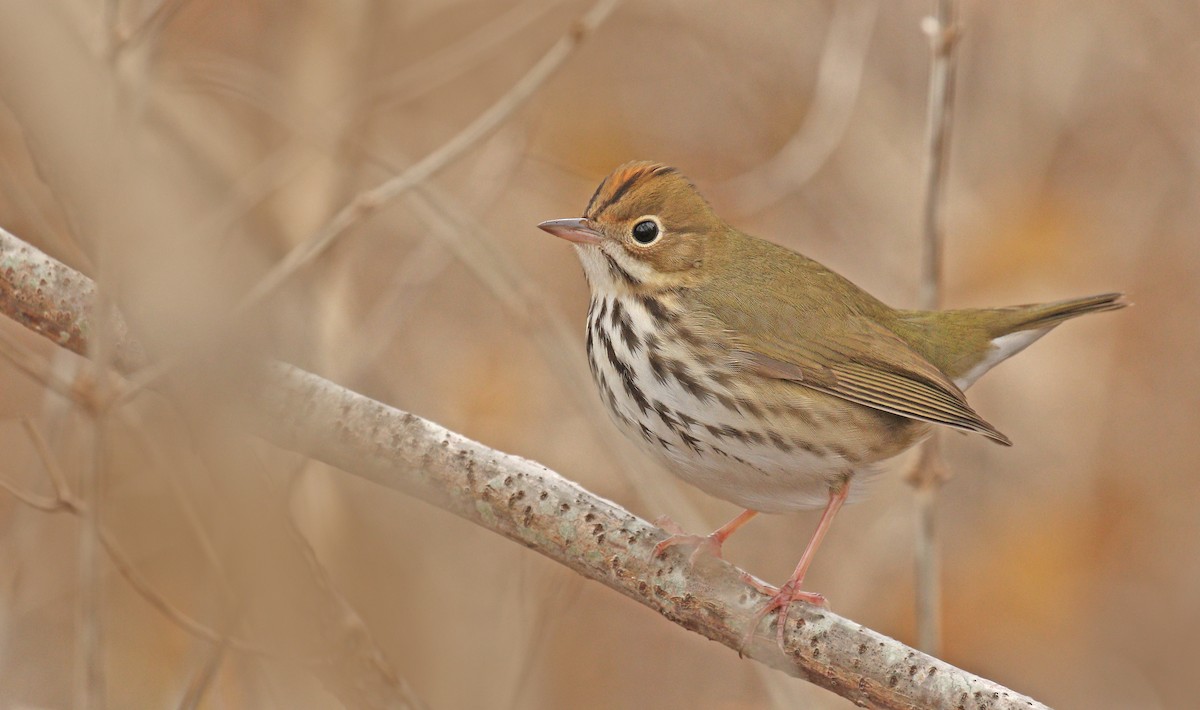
177, 158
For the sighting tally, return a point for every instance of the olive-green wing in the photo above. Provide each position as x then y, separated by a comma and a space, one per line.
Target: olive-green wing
859, 360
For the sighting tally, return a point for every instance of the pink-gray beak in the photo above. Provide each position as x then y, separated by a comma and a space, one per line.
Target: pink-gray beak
576, 230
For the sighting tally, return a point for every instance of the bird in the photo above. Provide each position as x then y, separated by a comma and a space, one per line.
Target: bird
757, 374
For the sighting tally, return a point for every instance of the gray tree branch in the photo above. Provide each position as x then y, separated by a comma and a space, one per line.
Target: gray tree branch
531, 505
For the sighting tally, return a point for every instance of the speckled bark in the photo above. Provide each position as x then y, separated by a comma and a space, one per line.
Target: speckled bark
536, 507
51, 298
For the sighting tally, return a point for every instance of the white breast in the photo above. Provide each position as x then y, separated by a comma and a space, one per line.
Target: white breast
682, 414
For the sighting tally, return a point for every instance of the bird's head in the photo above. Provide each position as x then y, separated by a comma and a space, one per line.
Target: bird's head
645, 228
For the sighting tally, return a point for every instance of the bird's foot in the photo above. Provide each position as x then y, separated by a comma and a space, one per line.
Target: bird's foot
701, 544
782, 600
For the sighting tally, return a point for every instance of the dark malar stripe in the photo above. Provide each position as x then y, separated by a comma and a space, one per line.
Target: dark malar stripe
619, 272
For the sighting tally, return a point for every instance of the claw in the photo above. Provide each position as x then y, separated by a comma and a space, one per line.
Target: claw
782, 600
710, 543
703, 544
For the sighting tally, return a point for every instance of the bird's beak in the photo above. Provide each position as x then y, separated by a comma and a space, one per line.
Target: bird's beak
576, 230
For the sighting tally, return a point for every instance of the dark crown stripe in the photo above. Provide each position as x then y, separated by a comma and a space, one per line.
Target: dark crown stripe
599, 188
630, 181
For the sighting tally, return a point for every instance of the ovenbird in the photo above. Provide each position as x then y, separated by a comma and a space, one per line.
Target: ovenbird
759, 375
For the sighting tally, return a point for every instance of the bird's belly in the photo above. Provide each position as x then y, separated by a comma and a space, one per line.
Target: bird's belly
774, 450
758, 477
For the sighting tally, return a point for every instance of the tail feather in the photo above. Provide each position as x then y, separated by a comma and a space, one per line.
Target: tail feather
1013, 329
1047, 315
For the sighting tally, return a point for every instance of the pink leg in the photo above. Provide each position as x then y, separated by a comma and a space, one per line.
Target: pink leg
790, 591
710, 543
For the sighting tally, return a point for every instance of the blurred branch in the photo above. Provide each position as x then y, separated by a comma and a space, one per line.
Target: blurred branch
929, 470
451, 61
369, 201
202, 681
29, 363
358, 672
373, 684
125, 39
65, 501
536, 507
839, 76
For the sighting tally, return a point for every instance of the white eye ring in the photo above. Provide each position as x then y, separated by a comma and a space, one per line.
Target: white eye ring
646, 231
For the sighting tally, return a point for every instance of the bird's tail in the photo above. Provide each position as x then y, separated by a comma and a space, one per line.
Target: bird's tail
1010, 330
1043, 316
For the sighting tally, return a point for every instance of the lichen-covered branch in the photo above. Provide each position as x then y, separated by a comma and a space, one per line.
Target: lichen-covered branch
536, 507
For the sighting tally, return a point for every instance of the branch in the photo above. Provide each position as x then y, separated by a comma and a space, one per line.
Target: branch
839, 77
929, 470
370, 200
534, 506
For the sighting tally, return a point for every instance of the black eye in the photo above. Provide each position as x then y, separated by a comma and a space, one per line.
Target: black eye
645, 232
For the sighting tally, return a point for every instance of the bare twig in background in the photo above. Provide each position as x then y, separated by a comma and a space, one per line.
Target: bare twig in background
839, 76
151, 25
354, 643
929, 471
451, 62
203, 679
357, 672
458, 232
536, 507
29, 363
64, 500
368, 201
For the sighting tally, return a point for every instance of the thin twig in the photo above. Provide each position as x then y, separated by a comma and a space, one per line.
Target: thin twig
26, 361
839, 76
154, 23
448, 63
357, 671
929, 470
536, 507
369, 201
58, 477
203, 679
65, 500
94, 690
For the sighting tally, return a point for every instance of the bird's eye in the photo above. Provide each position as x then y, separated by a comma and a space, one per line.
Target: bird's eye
646, 231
